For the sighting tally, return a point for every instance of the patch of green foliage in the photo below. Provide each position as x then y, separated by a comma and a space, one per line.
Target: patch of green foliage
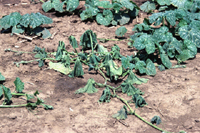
19, 87
28, 23
104, 12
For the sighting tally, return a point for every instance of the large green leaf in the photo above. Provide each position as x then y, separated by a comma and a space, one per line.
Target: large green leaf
104, 18
148, 6
121, 31
106, 95
53, 4
78, 70
92, 3
150, 68
19, 85
122, 114
138, 100
140, 65
163, 2
192, 34
89, 88
34, 20
60, 67
105, 4
89, 12
10, 20
2, 78
178, 3
71, 5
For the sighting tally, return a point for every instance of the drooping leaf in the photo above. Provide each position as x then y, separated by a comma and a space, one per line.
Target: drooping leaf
107, 58
73, 42
60, 50
156, 119
121, 31
104, 18
129, 89
53, 4
7, 93
10, 20
36, 93
135, 80
47, 107
94, 59
138, 100
34, 20
112, 70
89, 88
71, 5
2, 78
88, 40
102, 50
19, 85
122, 114
60, 67
106, 95
148, 6
78, 70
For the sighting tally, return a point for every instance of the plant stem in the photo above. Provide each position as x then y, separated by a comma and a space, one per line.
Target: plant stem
91, 41
18, 94
163, 23
20, 52
106, 79
133, 112
13, 106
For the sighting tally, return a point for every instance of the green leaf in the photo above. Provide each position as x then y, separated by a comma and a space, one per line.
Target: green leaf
192, 34
122, 114
19, 85
125, 62
60, 67
71, 5
127, 4
104, 18
1, 91
28, 96
78, 70
104, 4
53, 4
178, 3
121, 31
2, 78
148, 6
89, 88
106, 95
92, 3
123, 19
18, 29
161, 67
7, 93
47, 107
10, 20
36, 93
138, 100
140, 65
150, 68
163, 2
156, 119
88, 39
73, 42
31, 105
127, 87
34, 20
157, 18
94, 60
116, 7
40, 31
107, 58
89, 12
102, 50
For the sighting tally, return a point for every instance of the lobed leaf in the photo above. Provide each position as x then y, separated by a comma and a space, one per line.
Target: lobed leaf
89, 88
104, 18
148, 6
71, 5
122, 114
121, 31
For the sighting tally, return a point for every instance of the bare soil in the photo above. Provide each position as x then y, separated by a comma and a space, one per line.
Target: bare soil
174, 94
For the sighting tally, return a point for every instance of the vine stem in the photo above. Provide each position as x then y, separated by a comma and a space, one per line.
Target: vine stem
91, 43
106, 79
133, 112
13, 106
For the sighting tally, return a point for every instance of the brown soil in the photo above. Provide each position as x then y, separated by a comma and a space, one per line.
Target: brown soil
174, 94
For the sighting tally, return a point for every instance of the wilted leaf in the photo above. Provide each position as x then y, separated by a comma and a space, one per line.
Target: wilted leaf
106, 95
73, 42
7, 93
88, 39
122, 114
89, 88
78, 70
138, 100
156, 119
60, 67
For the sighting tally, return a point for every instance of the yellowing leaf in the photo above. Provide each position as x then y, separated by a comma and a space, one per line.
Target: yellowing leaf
60, 67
